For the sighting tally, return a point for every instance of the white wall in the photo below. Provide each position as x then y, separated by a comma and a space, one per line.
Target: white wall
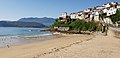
107, 5
118, 6
111, 11
105, 11
73, 16
96, 18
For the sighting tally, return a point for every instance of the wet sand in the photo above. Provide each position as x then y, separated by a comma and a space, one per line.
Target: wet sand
20, 40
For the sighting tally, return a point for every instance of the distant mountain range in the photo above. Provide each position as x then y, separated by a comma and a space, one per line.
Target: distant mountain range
21, 24
29, 22
46, 21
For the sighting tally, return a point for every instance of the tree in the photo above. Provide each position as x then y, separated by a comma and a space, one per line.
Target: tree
115, 17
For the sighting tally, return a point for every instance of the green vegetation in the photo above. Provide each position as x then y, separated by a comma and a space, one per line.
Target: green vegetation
103, 15
78, 25
60, 24
82, 25
115, 17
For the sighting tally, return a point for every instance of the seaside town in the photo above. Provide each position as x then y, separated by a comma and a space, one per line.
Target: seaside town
93, 14
100, 14
91, 33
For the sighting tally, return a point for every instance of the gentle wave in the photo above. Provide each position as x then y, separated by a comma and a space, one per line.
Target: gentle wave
14, 32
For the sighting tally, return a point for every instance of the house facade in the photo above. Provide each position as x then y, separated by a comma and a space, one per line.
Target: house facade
94, 13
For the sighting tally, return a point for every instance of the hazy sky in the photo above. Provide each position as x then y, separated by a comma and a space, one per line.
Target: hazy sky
15, 9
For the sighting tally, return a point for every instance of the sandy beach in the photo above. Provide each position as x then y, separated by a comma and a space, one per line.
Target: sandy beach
20, 40
67, 46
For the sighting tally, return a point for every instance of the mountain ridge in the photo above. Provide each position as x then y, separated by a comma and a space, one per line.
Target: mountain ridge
21, 24
45, 20
29, 22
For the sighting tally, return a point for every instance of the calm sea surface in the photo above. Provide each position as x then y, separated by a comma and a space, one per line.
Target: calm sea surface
15, 36
16, 31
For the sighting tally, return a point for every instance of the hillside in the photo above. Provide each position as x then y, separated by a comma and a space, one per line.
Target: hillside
21, 24
46, 21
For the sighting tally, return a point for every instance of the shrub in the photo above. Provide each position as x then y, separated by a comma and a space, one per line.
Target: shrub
115, 17
79, 25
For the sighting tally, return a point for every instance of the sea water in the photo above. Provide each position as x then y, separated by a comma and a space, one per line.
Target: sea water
16, 31
15, 35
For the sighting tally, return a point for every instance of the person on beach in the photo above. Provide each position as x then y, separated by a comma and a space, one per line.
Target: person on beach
8, 46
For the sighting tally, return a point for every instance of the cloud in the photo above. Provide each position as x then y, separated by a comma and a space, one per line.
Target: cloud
7, 20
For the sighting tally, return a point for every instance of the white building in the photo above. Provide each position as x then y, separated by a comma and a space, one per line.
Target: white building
100, 7
73, 15
91, 17
64, 15
113, 3
111, 11
105, 10
96, 13
118, 6
82, 16
107, 5
96, 18
78, 15
87, 10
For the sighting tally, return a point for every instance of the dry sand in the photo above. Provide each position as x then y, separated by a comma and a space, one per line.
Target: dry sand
69, 46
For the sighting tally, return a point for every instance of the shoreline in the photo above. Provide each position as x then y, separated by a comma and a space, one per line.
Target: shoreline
22, 40
30, 50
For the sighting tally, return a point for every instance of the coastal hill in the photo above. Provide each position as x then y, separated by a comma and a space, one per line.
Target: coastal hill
46, 21
29, 22
98, 18
21, 24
